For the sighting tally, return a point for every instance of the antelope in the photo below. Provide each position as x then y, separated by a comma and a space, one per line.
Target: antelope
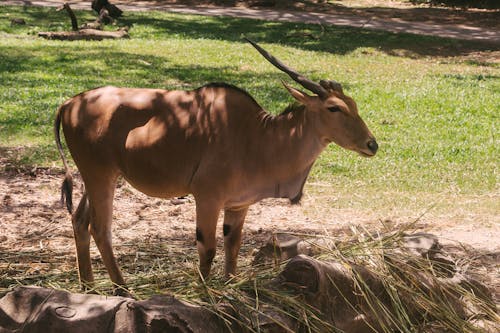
214, 142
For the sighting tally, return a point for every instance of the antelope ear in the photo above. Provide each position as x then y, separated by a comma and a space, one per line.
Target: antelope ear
300, 96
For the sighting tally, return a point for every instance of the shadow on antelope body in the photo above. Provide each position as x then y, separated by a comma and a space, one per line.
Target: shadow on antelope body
214, 142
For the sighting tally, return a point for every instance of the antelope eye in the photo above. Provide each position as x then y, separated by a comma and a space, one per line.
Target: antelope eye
334, 109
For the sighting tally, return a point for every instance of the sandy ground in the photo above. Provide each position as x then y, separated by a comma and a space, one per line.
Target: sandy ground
31, 212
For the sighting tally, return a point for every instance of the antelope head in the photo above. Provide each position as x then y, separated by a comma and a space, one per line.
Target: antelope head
336, 114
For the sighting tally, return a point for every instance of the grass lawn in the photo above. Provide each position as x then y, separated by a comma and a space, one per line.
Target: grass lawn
432, 106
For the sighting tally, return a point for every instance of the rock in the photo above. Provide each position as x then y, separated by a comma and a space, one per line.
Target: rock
17, 21
34, 309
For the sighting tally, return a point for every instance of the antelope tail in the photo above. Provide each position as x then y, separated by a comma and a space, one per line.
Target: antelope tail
67, 185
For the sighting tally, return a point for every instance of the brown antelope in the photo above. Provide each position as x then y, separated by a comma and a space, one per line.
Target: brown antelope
214, 142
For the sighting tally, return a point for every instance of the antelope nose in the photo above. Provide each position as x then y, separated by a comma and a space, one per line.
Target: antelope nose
373, 146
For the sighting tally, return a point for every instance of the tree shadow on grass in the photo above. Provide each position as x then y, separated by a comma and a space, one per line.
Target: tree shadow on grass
313, 37
63, 75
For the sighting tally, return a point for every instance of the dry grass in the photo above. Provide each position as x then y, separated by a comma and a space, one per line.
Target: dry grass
249, 298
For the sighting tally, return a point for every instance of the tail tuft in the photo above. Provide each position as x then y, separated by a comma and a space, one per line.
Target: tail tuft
67, 193
67, 185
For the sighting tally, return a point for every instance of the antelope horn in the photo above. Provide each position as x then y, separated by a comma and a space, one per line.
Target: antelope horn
297, 77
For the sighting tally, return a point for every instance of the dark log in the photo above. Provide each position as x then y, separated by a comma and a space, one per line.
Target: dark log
112, 10
84, 34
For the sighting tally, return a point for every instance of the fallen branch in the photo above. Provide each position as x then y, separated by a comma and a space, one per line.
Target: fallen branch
84, 34
74, 23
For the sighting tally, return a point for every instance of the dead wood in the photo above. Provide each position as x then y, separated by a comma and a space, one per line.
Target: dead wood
67, 8
89, 31
331, 287
111, 10
353, 297
33, 309
84, 34
104, 17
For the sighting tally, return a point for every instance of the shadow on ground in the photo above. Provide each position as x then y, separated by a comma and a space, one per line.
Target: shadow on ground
314, 37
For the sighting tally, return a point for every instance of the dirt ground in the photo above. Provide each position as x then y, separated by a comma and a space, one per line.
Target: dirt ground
31, 213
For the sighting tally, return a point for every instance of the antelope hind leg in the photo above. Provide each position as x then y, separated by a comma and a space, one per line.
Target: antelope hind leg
80, 221
101, 216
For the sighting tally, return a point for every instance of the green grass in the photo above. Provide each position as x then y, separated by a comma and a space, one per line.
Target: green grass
433, 111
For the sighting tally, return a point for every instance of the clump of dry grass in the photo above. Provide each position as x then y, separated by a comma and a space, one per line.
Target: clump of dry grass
421, 295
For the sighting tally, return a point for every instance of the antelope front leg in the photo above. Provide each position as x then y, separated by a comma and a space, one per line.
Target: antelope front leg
233, 224
207, 215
